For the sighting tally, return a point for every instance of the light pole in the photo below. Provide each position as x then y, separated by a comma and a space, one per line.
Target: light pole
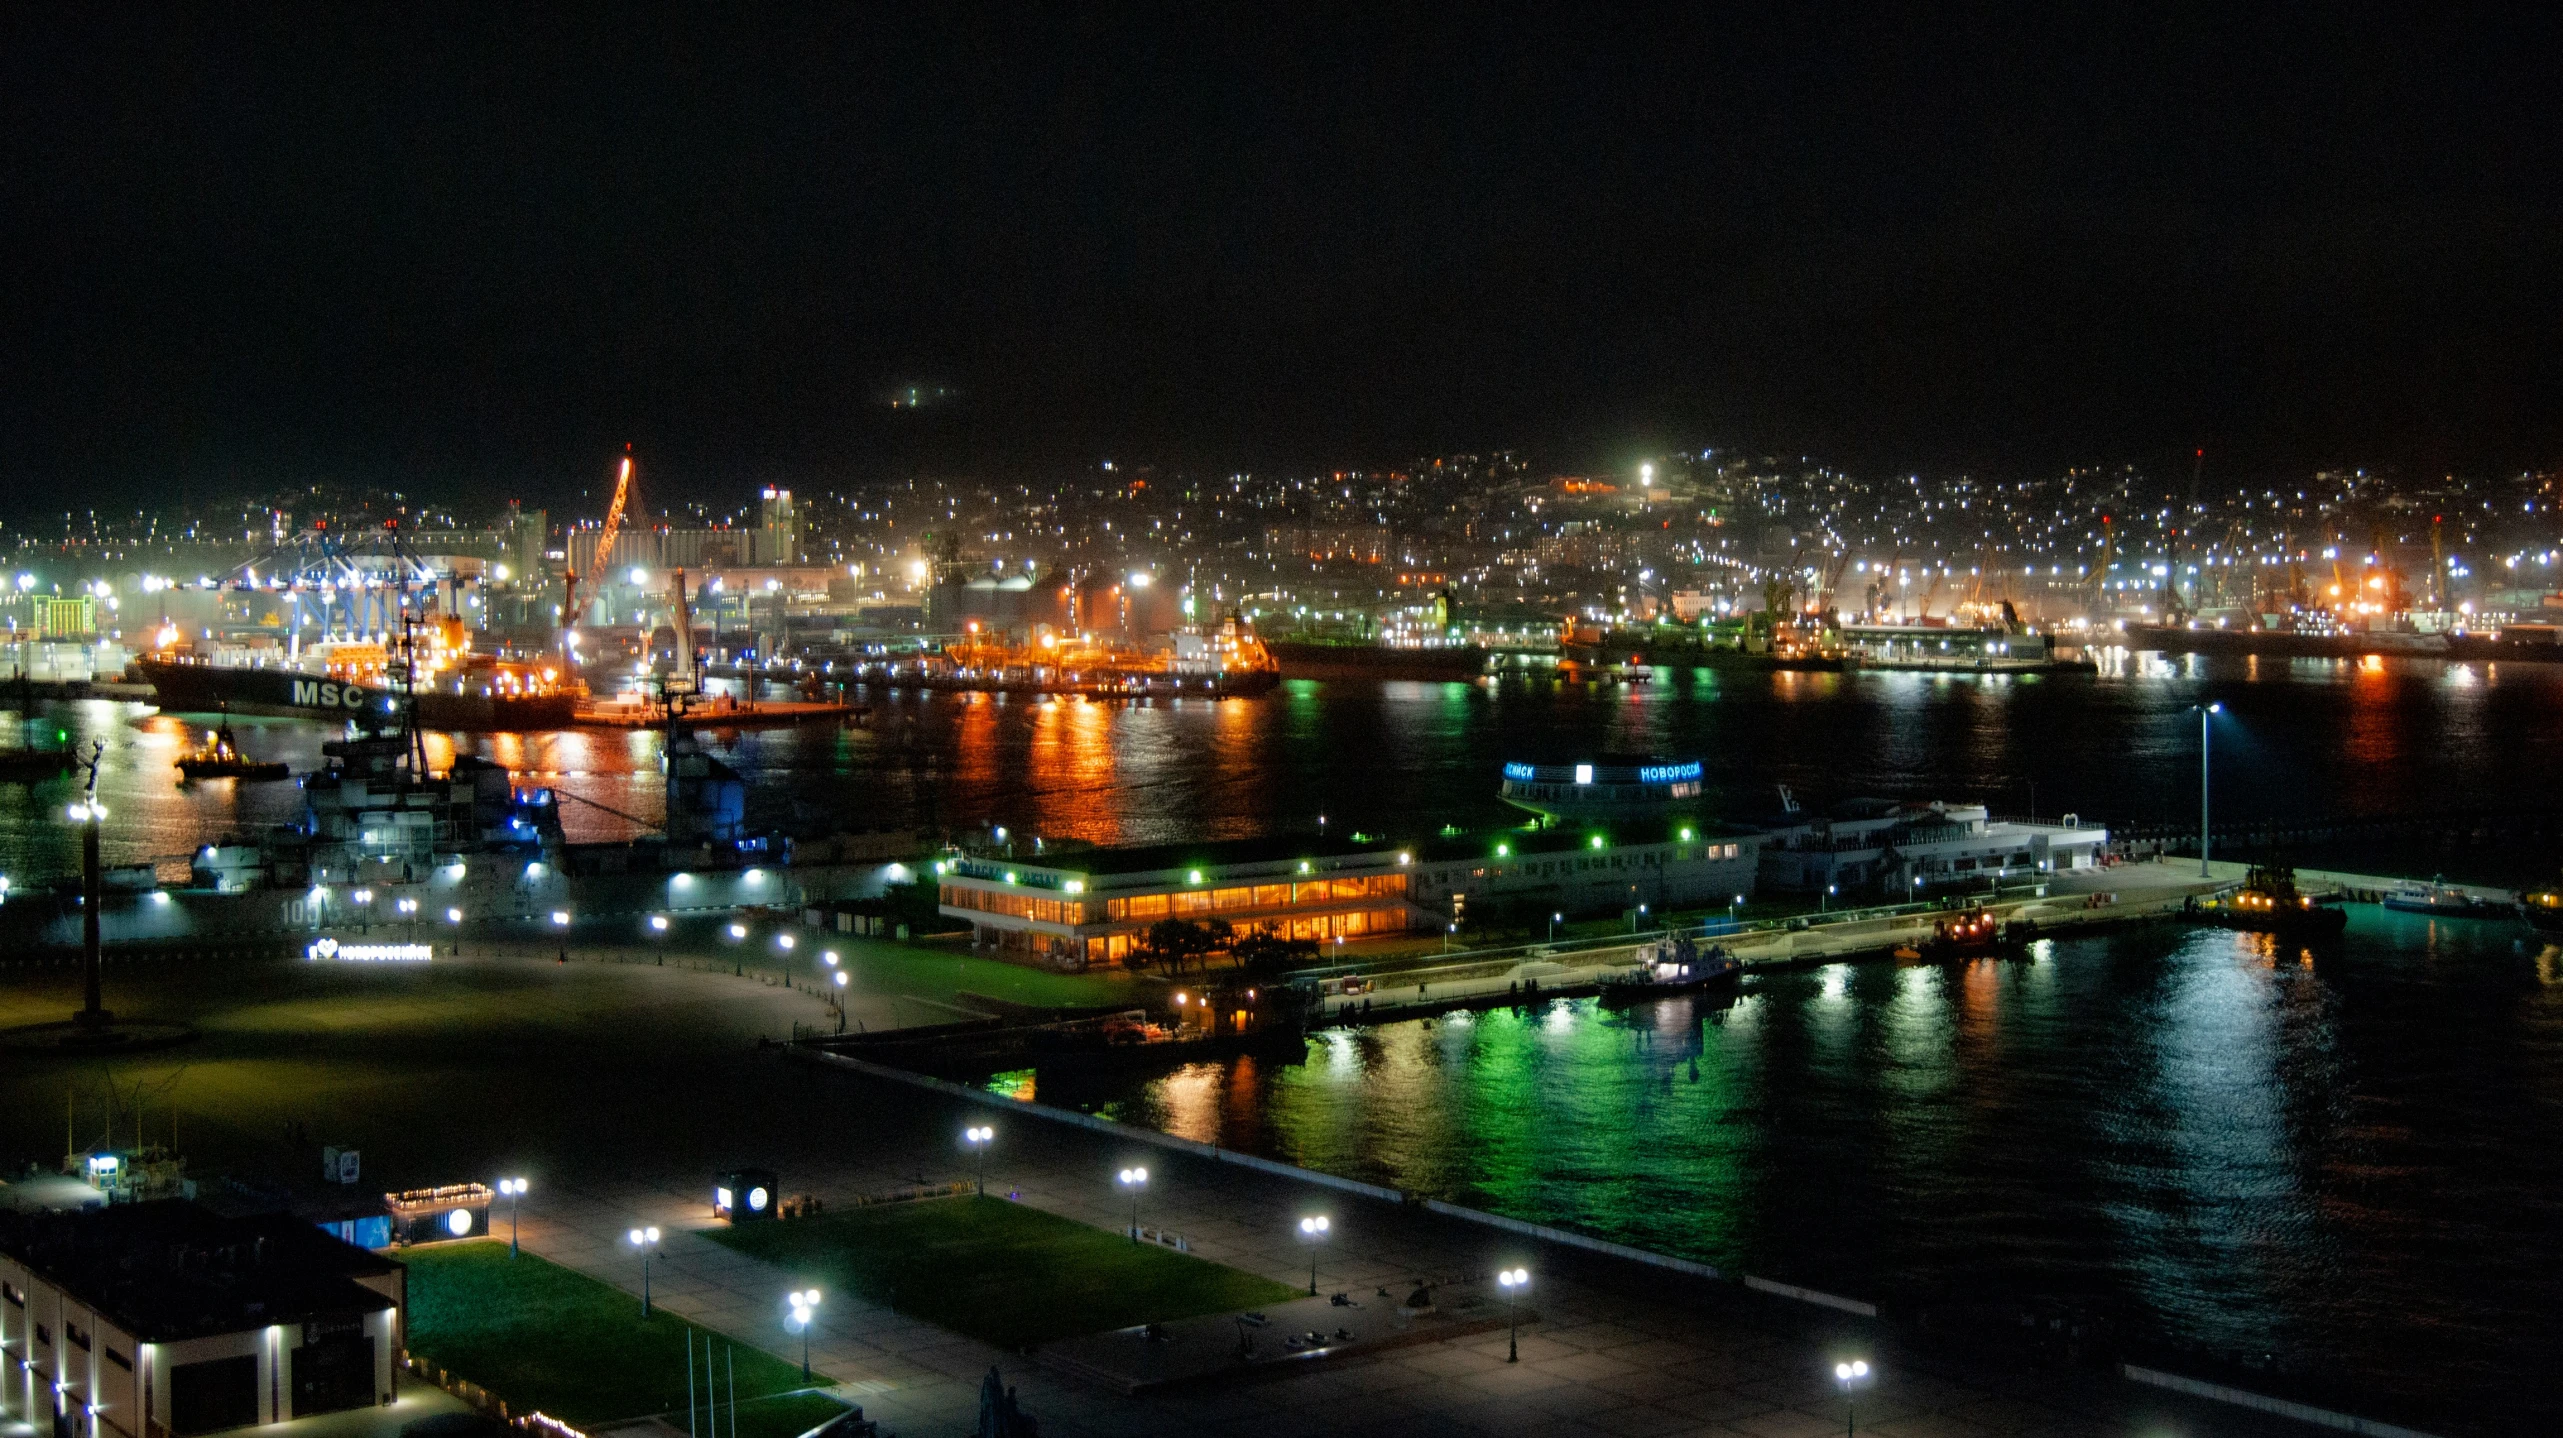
803, 1301
514, 1189
1850, 1376
89, 814
1313, 1230
1553, 921
1827, 901
646, 1240
1513, 1281
977, 1137
1134, 1179
2204, 710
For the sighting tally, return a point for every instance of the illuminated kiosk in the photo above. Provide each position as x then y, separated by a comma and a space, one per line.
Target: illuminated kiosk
435, 1215
1605, 786
746, 1195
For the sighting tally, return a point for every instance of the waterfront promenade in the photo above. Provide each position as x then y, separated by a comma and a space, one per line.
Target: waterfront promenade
1615, 1348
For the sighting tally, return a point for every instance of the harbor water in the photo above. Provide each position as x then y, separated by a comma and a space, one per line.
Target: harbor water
2347, 1167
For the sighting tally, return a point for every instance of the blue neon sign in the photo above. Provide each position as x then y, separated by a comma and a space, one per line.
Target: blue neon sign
1668, 773
1518, 771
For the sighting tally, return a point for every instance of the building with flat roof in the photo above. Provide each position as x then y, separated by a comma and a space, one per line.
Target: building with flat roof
167, 1319
1095, 907
1660, 864
1903, 850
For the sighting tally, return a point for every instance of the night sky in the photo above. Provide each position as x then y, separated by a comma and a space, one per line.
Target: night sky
242, 247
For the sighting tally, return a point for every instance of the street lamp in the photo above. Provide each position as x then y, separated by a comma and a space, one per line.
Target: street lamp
1850, 1376
978, 1137
514, 1189
803, 1301
1553, 921
1313, 1230
1513, 1281
1134, 1179
646, 1240
2203, 710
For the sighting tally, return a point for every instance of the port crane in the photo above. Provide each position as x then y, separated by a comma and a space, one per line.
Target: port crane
604, 548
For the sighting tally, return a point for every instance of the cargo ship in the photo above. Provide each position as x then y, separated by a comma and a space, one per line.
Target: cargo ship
1226, 661
456, 689
1323, 659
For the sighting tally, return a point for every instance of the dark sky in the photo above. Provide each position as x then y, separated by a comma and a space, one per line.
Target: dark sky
241, 246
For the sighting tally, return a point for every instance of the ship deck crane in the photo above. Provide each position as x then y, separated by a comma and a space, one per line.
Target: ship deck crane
604, 547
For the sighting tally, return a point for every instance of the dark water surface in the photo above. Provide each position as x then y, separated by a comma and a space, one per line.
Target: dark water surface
2352, 1167
2298, 736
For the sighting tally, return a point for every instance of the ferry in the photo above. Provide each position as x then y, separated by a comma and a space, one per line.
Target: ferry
336, 681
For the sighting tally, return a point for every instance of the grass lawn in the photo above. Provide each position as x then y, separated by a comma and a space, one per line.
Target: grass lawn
542, 1336
998, 1271
885, 967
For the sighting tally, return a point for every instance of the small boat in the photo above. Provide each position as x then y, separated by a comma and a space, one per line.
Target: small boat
2446, 900
1670, 966
2543, 909
1971, 935
2269, 903
219, 758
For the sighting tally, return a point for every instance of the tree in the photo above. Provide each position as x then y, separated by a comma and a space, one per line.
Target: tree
1265, 956
1171, 941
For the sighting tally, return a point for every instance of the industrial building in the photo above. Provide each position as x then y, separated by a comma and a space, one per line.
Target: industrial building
166, 1319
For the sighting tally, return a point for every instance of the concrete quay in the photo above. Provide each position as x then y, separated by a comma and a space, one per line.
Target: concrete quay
2125, 893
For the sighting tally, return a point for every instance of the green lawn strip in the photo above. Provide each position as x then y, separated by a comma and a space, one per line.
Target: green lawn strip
882, 967
541, 1336
998, 1271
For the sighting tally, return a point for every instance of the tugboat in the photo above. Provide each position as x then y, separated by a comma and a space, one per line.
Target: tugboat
2269, 903
219, 758
2445, 899
1971, 935
1670, 966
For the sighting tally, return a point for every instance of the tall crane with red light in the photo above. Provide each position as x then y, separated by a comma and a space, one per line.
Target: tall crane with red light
604, 548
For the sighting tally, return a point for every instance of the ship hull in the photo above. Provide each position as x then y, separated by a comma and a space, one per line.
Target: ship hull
292, 694
1300, 659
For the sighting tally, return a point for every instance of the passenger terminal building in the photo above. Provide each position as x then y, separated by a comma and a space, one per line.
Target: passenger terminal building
1097, 906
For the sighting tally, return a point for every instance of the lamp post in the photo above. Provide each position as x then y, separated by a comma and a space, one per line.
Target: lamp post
1848, 1377
1513, 1281
803, 1301
1553, 921
89, 814
646, 1240
2204, 710
1313, 1230
1134, 1179
977, 1137
514, 1189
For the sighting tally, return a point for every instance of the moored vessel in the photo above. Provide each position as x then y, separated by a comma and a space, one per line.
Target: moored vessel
219, 757
1670, 966
2446, 900
2270, 903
